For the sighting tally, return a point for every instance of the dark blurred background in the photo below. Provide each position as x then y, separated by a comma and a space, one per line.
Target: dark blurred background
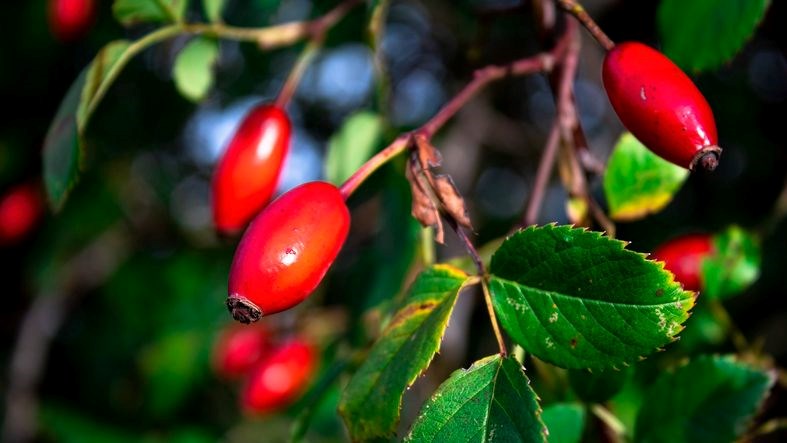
145, 276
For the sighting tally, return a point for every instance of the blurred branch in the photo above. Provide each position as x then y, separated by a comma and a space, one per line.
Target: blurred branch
575, 9
86, 270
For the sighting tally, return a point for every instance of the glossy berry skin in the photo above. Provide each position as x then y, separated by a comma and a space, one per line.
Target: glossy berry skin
286, 251
249, 170
239, 349
70, 19
20, 209
661, 106
683, 256
280, 378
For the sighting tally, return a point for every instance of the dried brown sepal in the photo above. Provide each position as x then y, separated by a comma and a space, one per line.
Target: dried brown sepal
242, 309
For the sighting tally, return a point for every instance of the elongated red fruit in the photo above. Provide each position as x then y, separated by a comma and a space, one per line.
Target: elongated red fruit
239, 349
20, 209
286, 251
661, 106
70, 19
280, 378
683, 256
247, 174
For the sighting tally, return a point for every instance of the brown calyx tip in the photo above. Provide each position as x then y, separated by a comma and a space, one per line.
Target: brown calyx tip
242, 309
707, 158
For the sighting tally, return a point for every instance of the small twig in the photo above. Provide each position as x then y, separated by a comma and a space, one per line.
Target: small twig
610, 422
468, 244
88, 269
543, 173
723, 317
398, 146
575, 9
770, 426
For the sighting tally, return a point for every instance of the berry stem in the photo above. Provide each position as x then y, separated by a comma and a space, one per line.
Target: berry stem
359, 176
297, 71
575, 9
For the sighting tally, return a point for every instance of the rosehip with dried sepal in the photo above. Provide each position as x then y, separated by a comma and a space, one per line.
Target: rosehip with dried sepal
286, 251
280, 378
683, 256
249, 170
20, 209
70, 19
239, 349
661, 106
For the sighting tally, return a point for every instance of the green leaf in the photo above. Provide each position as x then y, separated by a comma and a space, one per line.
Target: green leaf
131, 12
492, 401
370, 403
710, 399
734, 266
578, 299
193, 70
638, 182
703, 34
565, 422
62, 155
597, 386
101, 72
213, 9
355, 143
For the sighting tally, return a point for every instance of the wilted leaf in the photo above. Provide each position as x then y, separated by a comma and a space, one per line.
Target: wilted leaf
370, 403
578, 299
492, 401
711, 399
638, 182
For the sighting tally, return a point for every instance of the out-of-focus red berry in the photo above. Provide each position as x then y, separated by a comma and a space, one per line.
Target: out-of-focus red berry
239, 349
683, 257
70, 19
280, 378
20, 209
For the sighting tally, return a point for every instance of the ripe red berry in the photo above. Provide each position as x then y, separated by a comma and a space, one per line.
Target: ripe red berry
70, 19
248, 172
280, 378
286, 251
20, 209
683, 256
660, 105
239, 349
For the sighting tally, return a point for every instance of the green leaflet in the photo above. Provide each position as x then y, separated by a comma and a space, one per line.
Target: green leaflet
370, 403
578, 299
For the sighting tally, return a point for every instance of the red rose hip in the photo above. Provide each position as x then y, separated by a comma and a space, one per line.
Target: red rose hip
249, 170
239, 349
280, 378
661, 106
70, 19
683, 256
286, 251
